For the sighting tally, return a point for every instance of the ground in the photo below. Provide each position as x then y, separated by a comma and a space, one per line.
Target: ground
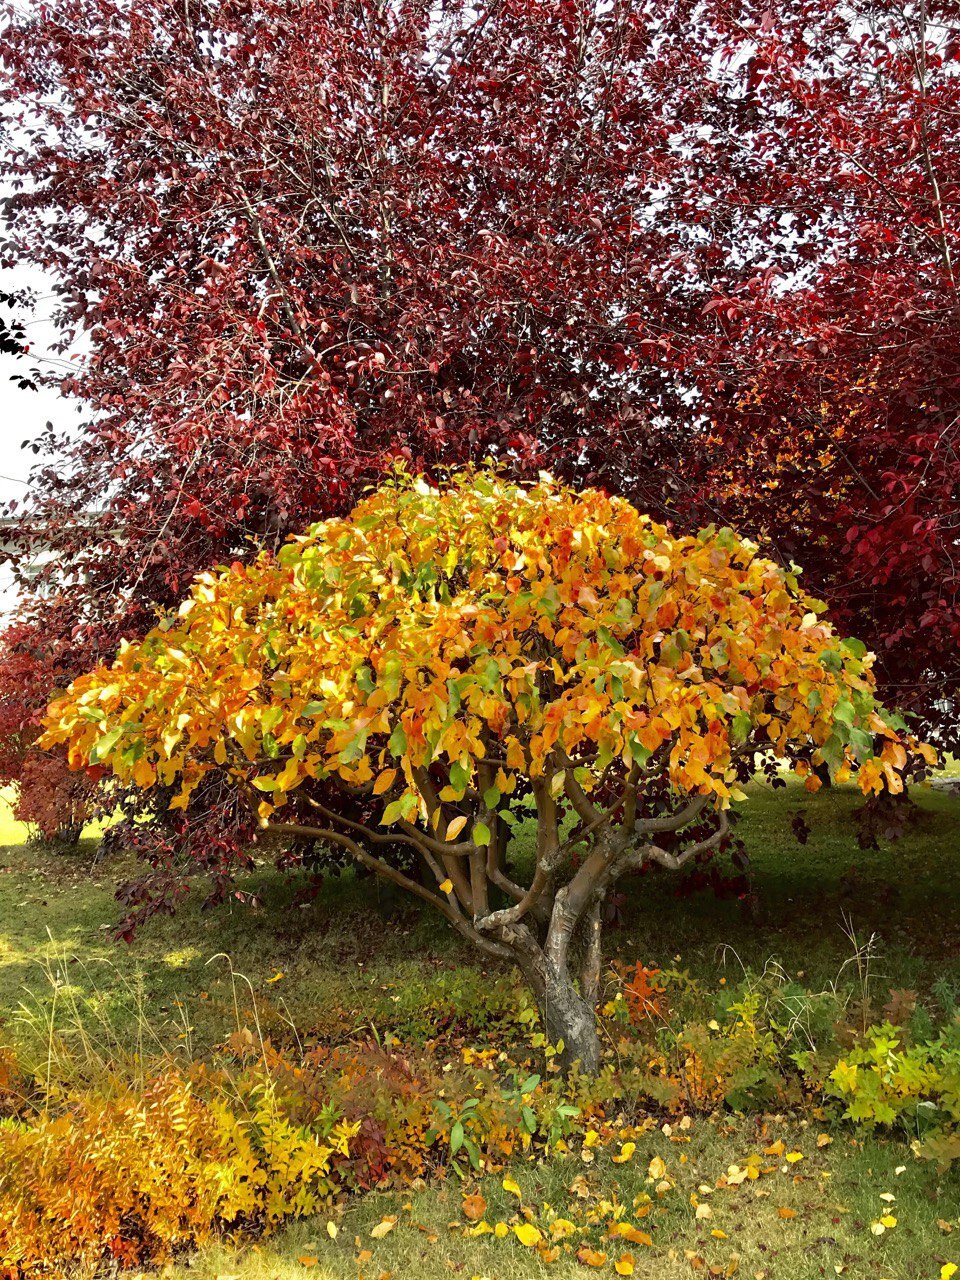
318, 966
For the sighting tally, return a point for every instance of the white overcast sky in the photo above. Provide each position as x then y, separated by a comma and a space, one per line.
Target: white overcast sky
24, 413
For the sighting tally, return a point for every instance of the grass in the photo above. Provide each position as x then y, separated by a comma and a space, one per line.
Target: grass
319, 963
354, 960
834, 1193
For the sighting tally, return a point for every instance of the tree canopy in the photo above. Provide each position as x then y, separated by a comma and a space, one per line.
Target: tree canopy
700, 254
461, 652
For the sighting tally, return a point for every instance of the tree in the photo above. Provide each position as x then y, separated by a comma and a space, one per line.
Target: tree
465, 653
700, 254
829, 359
298, 240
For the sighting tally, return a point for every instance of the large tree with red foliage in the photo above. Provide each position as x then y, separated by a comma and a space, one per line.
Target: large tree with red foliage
836, 403
701, 254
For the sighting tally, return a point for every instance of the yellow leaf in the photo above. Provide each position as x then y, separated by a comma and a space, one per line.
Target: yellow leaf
704, 1211
627, 1232
626, 1152
500, 1230
527, 1234
775, 1149
889, 1221
794, 1156
560, 1228
657, 1169
332, 1230
383, 1227
718, 1234
384, 782
455, 827
824, 1140
512, 1187
276, 977
624, 1265
446, 886
948, 1271
481, 1229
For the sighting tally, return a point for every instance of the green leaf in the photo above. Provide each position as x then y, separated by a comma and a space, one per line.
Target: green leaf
456, 1138
481, 833
491, 797
459, 777
854, 646
314, 709
611, 641
103, 746
831, 661
392, 813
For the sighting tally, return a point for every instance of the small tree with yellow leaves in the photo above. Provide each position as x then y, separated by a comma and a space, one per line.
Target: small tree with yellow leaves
467, 655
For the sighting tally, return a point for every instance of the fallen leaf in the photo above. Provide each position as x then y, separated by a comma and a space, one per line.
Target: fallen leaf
626, 1232
474, 1207
704, 1211
527, 1234
547, 1254
364, 1256
784, 1212
332, 1230
624, 1265
794, 1156
824, 1140
657, 1168
383, 1228
775, 1149
718, 1234
626, 1153
512, 1187
560, 1228
446, 886
500, 1229
305, 1260
945, 1227
888, 1196
948, 1270
481, 1229
590, 1257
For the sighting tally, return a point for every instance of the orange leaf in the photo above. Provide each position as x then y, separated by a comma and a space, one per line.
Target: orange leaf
384, 782
474, 1207
590, 1257
784, 1212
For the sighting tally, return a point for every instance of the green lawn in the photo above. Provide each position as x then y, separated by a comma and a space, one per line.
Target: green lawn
353, 960
834, 1195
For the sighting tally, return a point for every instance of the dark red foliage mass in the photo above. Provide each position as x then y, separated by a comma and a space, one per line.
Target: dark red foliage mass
701, 253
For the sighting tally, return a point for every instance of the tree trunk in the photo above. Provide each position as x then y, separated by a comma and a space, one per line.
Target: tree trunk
567, 1017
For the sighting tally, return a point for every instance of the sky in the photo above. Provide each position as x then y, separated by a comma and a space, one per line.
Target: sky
23, 414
